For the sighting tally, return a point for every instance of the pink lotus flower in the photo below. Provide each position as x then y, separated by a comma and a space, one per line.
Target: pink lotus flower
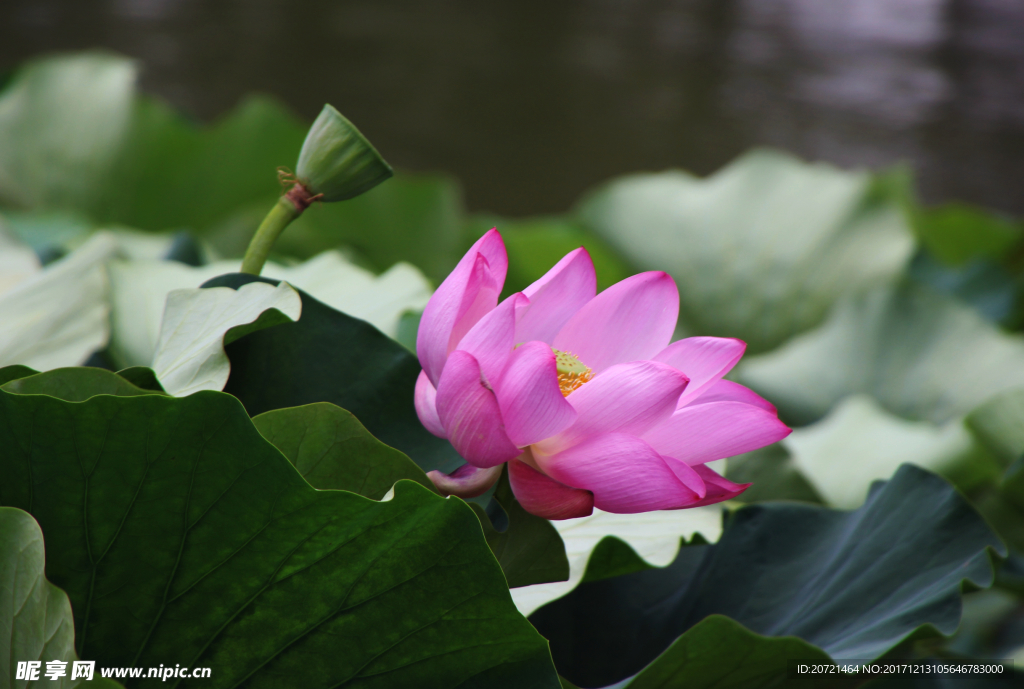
581, 393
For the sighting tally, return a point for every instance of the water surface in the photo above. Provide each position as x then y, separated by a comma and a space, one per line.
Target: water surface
530, 103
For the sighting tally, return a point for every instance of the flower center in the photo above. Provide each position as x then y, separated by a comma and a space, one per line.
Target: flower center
572, 373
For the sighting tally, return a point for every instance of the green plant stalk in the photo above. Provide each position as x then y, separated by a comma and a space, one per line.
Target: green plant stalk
283, 212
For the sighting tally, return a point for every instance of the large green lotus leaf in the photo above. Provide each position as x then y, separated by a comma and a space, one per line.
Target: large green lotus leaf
761, 249
921, 355
9, 373
529, 550
999, 424
653, 536
139, 292
853, 584
75, 384
694, 661
534, 245
412, 218
63, 121
142, 377
58, 316
333, 451
328, 356
198, 323
859, 442
35, 615
179, 533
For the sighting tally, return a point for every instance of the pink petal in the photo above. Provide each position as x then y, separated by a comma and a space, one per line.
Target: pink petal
704, 360
631, 320
546, 497
624, 473
491, 340
687, 476
531, 402
468, 410
470, 291
728, 391
703, 433
425, 399
557, 296
627, 398
718, 488
467, 481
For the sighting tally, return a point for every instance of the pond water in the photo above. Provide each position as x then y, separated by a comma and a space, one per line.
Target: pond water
531, 102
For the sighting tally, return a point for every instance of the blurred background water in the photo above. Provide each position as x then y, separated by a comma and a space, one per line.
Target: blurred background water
529, 103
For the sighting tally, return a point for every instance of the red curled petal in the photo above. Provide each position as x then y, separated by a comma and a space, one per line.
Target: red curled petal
467, 481
545, 497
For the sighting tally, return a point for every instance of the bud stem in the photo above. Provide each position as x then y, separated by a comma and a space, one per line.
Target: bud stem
287, 208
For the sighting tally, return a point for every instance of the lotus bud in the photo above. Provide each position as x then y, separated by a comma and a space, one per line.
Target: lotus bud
336, 161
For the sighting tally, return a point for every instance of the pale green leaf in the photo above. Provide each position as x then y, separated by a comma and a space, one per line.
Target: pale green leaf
18, 262
35, 615
198, 323
58, 316
761, 249
139, 290
921, 355
999, 424
378, 299
135, 245
63, 121
655, 537
860, 442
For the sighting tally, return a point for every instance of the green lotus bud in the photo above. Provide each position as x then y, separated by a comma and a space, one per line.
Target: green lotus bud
337, 161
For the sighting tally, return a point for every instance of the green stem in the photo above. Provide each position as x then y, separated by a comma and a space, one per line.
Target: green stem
283, 212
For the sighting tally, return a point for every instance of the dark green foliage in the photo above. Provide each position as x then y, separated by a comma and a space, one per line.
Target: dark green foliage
853, 584
181, 535
333, 451
529, 548
327, 356
76, 384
